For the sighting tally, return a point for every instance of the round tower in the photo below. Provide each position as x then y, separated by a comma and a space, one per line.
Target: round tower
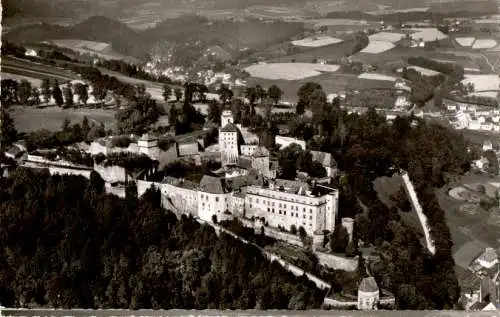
348, 224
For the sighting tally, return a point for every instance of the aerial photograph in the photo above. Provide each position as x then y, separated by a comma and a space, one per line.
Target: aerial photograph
250, 158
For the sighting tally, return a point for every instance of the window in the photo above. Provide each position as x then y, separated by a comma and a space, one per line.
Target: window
217, 198
310, 211
273, 210
310, 217
284, 212
304, 216
279, 212
296, 215
268, 210
257, 200
304, 209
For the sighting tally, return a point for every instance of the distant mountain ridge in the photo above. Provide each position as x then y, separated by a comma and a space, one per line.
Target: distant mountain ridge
39, 8
183, 30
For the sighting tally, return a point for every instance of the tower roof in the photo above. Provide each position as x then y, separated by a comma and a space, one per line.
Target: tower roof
368, 285
230, 127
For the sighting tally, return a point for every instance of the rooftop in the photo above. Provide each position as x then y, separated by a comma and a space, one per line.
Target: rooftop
230, 127
214, 185
369, 285
261, 152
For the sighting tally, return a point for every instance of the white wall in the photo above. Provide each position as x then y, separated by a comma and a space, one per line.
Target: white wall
111, 174
212, 204
410, 191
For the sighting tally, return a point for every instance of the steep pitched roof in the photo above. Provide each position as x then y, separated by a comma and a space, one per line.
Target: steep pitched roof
489, 255
230, 127
213, 185
368, 284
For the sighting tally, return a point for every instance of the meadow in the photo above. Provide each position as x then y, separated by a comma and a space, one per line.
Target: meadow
332, 52
330, 82
483, 83
421, 70
29, 119
289, 71
317, 41
376, 47
35, 71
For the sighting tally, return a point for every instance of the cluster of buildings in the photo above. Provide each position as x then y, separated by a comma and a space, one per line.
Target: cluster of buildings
246, 186
485, 270
472, 116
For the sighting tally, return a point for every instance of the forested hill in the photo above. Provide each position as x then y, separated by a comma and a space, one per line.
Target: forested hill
64, 243
185, 30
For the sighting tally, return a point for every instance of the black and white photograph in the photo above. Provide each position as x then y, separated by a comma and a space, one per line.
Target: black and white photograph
250, 158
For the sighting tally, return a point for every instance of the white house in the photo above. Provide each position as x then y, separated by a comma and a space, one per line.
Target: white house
488, 258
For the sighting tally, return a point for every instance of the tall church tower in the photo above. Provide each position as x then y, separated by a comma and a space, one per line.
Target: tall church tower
226, 117
228, 139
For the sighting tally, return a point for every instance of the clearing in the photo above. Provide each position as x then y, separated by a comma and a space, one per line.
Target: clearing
484, 44
29, 119
427, 34
421, 70
387, 37
377, 47
330, 53
16, 66
374, 76
317, 41
34, 81
101, 49
289, 71
484, 85
465, 41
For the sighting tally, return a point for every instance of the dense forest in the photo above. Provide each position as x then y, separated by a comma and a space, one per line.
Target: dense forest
64, 243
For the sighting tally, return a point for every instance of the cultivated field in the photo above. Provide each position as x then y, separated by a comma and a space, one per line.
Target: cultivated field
484, 44
484, 82
332, 52
387, 37
331, 82
289, 71
29, 119
34, 81
373, 76
421, 70
317, 41
428, 34
25, 68
377, 47
336, 22
100, 49
465, 41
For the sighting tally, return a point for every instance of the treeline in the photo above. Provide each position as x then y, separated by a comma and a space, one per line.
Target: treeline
67, 135
423, 88
132, 70
455, 71
65, 243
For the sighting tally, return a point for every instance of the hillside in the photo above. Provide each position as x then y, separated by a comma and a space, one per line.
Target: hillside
100, 251
36, 8
185, 30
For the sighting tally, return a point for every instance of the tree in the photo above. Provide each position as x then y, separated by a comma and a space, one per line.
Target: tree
492, 158
178, 93
173, 116
214, 112
96, 132
167, 91
65, 127
317, 102
45, 86
9, 92
236, 108
251, 94
57, 94
339, 240
68, 96
300, 108
99, 91
306, 90
7, 128
302, 233
35, 96
225, 94
275, 93
293, 229
82, 92
85, 126
24, 91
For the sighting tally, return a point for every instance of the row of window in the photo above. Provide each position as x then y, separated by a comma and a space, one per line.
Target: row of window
285, 198
284, 213
216, 198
